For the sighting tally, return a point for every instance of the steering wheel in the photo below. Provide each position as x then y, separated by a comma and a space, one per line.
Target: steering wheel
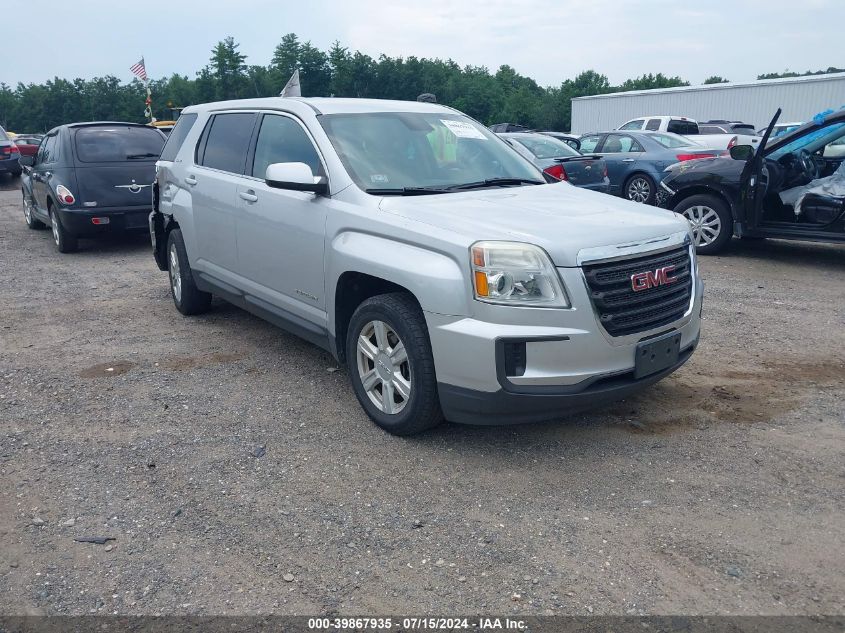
808, 165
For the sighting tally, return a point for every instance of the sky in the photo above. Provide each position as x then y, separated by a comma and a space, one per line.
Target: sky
549, 41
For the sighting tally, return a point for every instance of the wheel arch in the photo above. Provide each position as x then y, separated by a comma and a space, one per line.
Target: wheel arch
352, 289
362, 265
698, 190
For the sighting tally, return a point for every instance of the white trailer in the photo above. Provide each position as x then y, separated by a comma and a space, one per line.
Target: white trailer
751, 102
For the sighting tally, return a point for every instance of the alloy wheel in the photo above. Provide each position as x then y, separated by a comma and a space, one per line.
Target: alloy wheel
639, 190
175, 274
383, 367
27, 209
705, 222
54, 224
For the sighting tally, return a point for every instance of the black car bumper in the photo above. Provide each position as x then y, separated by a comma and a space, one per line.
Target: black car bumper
468, 406
10, 165
93, 222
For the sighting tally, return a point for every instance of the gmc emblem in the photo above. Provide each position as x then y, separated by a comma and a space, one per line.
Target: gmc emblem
652, 279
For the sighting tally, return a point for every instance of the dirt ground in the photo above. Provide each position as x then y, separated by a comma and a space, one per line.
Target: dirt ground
236, 472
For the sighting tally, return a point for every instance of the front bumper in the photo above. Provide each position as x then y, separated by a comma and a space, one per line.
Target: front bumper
507, 407
79, 222
571, 362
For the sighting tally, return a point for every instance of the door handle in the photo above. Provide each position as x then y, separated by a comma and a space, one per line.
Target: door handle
628, 160
249, 196
191, 180
47, 174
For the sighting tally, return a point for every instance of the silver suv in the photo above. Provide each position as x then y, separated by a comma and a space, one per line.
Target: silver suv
441, 267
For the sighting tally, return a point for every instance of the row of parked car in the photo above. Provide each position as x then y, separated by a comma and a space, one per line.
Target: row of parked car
453, 277
644, 156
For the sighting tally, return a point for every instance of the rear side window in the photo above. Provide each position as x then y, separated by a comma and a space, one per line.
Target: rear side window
47, 151
653, 124
282, 140
682, 127
117, 144
177, 136
228, 141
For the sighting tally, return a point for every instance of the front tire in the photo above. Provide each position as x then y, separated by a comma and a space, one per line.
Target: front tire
187, 298
640, 188
31, 221
388, 355
65, 242
711, 221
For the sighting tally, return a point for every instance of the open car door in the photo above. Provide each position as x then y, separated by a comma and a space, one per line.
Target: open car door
755, 178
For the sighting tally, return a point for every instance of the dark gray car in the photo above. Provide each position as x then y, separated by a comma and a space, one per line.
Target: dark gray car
558, 159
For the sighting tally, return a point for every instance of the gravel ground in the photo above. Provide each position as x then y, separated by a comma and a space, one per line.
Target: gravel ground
236, 473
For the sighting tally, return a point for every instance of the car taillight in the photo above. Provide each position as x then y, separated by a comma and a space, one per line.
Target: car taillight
557, 171
732, 142
65, 195
683, 157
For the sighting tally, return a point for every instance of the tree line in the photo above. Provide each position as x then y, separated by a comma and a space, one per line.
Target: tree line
491, 97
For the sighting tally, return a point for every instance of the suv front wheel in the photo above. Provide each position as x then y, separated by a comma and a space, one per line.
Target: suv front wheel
388, 355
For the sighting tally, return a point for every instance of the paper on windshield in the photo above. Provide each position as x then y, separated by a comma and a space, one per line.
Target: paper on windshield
462, 129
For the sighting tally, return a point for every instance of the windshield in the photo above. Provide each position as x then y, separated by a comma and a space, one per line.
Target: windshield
545, 147
813, 141
113, 144
672, 140
385, 151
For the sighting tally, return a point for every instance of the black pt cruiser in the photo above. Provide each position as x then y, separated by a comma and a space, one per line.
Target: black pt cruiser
91, 178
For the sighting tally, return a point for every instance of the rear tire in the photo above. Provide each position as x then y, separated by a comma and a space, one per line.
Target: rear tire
31, 222
640, 188
187, 298
711, 221
65, 242
389, 359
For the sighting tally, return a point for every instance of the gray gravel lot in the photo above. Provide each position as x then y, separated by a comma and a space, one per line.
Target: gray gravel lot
236, 472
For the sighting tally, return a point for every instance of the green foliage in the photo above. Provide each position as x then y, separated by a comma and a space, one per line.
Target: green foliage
715, 79
788, 73
501, 96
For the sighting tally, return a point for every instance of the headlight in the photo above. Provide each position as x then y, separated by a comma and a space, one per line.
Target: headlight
512, 273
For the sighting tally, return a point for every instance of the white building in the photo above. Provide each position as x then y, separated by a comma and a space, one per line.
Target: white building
751, 102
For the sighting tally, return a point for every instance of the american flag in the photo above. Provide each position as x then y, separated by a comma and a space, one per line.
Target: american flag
139, 70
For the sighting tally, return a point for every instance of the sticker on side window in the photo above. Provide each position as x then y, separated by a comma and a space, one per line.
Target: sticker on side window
462, 129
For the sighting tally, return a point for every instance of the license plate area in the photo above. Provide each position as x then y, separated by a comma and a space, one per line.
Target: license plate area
657, 354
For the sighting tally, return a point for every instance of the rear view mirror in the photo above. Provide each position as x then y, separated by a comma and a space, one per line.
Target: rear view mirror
742, 152
294, 176
26, 160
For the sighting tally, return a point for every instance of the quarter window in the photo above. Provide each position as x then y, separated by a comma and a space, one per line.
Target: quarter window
177, 136
228, 141
282, 140
653, 125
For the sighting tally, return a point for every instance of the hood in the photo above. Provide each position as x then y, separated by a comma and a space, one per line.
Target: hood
719, 165
559, 218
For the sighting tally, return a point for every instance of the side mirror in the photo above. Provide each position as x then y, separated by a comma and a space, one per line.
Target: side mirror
294, 176
26, 160
742, 152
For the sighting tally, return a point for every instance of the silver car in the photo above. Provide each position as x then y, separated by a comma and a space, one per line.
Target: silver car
448, 275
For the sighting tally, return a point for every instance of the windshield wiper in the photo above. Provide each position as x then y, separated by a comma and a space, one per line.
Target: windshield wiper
146, 155
407, 191
497, 182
